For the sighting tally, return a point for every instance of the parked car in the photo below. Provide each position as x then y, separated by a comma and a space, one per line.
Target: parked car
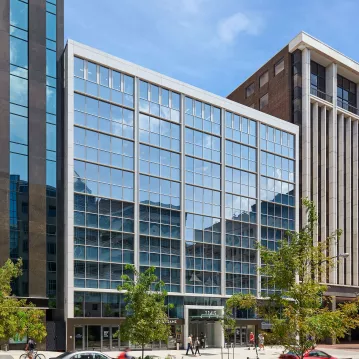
309, 354
86, 354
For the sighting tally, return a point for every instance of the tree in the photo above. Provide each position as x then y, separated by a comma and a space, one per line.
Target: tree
17, 317
297, 310
236, 301
146, 313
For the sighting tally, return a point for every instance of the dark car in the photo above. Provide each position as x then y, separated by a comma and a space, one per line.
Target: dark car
85, 354
309, 354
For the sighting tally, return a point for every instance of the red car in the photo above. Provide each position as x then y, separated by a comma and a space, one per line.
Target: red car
310, 353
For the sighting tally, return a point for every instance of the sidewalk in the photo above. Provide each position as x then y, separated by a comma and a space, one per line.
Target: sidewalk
340, 351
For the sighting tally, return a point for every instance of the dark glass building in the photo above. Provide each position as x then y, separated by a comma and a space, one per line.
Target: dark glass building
31, 40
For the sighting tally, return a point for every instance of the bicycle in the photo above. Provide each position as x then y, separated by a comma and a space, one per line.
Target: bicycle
35, 355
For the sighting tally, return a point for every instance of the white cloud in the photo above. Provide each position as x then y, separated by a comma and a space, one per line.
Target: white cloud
230, 27
192, 6
182, 7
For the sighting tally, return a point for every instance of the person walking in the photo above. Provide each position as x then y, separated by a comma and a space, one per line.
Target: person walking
251, 340
189, 344
197, 345
261, 341
202, 337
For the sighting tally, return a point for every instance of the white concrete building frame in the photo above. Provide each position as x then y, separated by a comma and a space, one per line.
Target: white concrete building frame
337, 172
76, 49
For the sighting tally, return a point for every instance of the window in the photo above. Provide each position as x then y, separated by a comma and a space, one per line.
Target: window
159, 192
317, 76
203, 229
263, 101
241, 182
159, 222
103, 181
277, 167
203, 201
159, 102
159, 162
203, 116
250, 90
241, 156
102, 116
239, 208
347, 94
202, 145
241, 129
19, 14
152, 249
203, 173
98, 147
277, 141
263, 79
278, 67
159, 132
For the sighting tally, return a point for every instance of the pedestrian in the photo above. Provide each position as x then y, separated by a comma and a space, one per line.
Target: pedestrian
124, 354
251, 340
312, 341
189, 344
203, 344
261, 341
197, 345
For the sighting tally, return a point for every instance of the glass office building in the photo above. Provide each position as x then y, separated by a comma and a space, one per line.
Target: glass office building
159, 173
30, 163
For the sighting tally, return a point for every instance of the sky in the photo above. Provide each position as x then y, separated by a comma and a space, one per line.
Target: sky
211, 44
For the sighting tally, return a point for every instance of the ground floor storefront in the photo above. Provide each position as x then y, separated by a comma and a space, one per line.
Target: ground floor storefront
198, 321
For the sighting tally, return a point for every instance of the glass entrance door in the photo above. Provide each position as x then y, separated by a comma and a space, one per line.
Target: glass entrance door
244, 340
241, 336
106, 339
210, 334
79, 338
115, 339
203, 329
94, 337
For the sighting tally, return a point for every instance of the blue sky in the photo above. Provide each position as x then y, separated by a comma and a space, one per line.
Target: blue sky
212, 44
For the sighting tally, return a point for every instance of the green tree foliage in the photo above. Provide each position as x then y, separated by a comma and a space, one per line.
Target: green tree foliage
146, 313
298, 312
236, 301
17, 317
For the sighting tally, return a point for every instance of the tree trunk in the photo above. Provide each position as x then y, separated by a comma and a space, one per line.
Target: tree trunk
143, 350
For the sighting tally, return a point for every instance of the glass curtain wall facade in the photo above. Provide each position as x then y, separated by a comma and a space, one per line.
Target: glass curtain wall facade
19, 141
51, 148
32, 44
164, 179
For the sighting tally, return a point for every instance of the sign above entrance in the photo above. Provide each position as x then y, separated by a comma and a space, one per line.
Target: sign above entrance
175, 321
266, 326
214, 314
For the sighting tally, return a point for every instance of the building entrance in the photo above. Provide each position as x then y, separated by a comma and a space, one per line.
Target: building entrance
205, 324
241, 335
96, 337
204, 331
